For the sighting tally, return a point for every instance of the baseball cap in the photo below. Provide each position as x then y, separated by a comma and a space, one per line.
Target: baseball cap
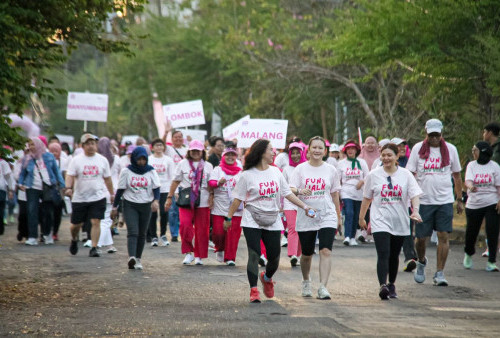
383, 142
88, 136
334, 147
433, 126
196, 145
229, 150
397, 141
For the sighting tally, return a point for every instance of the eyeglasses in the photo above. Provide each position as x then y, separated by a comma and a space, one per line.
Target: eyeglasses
390, 182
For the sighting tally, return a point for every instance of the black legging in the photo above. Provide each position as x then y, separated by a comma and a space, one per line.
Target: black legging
474, 220
272, 242
58, 209
388, 248
152, 230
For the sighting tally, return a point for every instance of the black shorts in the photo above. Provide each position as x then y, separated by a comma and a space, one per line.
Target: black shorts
308, 240
83, 211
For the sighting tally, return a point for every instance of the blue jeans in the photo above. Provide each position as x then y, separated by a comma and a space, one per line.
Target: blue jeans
351, 208
173, 219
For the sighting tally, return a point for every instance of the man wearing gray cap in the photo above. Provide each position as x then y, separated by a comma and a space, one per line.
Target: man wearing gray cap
434, 163
87, 178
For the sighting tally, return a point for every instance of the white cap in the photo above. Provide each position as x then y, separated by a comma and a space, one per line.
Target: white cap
397, 141
433, 126
383, 142
334, 147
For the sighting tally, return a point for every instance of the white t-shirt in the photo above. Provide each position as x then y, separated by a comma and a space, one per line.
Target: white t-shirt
389, 209
21, 195
332, 161
184, 174
376, 164
263, 190
89, 173
173, 153
486, 178
222, 201
37, 169
349, 178
287, 173
322, 181
165, 168
115, 169
282, 160
124, 161
5, 175
138, 188
436, 182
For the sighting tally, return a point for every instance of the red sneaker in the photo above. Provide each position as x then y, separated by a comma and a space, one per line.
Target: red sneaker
268, 286
254, 295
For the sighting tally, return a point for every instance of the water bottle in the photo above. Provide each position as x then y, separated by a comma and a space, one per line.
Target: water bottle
311, 213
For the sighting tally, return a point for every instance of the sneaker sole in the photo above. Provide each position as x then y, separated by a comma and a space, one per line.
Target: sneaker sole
324, 298
75, 251
346, 243
384, 295
440, 283
255, 301
131, 264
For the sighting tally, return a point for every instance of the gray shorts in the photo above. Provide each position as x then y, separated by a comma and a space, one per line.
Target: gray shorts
434, 217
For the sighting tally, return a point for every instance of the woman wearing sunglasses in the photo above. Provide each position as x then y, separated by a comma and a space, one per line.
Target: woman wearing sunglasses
388, 189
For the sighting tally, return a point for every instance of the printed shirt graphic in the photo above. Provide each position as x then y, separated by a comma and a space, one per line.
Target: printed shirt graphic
221, 194
263, 190
89, 173
389, 208
41, 169
173, 154
165, 168
486, 178
436, 182
322, 181
350, 177
184, 174
138, 188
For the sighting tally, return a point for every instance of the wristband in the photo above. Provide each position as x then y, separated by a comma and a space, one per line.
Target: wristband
227, 219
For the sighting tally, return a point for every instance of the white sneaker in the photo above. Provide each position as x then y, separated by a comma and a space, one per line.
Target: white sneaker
306, 288
219, 256
211, 246
323, 293
353, 242
346, 241
284, 242
88, 243
31, 241
111, 249
48, 240
198, 261
138, 265
188, 259
164, 241
230, 263
154, 242
262, 261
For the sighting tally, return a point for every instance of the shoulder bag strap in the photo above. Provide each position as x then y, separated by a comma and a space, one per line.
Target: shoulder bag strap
178, 153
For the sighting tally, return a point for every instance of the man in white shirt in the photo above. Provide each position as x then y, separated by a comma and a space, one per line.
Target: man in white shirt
87, 178
434, 163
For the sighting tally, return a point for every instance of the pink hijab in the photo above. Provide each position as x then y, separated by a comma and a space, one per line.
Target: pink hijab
370, 156
303, 157
39, 148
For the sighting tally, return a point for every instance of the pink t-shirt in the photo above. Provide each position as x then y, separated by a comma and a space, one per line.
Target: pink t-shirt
389, 209
435, 181
263, 190
486, 178
349, 178
223, 194
322, 181
184, 174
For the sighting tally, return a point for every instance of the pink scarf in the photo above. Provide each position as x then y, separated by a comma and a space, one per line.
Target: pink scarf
425, 152
196, 181
230, 170
302, 150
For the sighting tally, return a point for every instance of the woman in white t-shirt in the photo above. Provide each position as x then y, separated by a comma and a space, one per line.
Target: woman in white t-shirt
193, 172
165, 168
140, 187
388, 189
482, 179
222, 181
353, 171
296, 156
317, 184
261, 186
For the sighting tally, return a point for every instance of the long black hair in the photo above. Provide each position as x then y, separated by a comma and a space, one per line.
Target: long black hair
254, 155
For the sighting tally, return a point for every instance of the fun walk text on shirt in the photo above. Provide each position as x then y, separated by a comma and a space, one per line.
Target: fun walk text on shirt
268, 190
390, 196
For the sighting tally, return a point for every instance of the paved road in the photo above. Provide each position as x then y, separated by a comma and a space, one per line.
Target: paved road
44, 290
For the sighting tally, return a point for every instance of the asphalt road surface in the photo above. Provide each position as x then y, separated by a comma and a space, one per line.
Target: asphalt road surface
46, 291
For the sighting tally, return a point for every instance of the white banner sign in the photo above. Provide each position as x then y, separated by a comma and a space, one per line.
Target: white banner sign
87, 107
232, 130
131, 138
272, 130
69, 139
185, 114
193, 134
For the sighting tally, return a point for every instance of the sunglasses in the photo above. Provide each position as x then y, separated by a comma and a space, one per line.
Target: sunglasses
390, 182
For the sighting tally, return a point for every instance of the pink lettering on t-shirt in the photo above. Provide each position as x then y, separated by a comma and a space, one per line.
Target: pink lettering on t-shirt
483, 179
138, 182
90, 171
315, 184
396, 191
432, 163
268, 188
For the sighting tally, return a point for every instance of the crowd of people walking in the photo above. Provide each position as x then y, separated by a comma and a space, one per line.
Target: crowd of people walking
206, 195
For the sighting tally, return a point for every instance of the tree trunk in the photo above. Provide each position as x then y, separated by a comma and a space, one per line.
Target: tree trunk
323, 122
